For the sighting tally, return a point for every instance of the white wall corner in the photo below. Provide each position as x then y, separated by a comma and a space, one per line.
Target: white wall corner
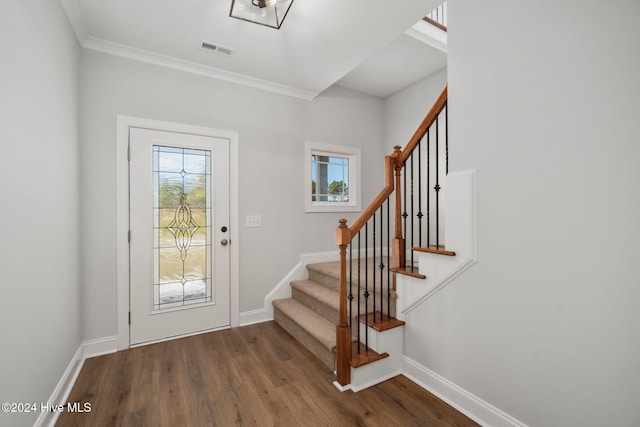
470, 405
99, 346
76, 19
61, 392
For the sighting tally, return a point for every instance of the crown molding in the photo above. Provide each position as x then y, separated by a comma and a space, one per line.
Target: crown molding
74, 14
142, 55
429, 35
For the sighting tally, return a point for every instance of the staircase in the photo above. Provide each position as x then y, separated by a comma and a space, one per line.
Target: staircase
312, 313
344, 313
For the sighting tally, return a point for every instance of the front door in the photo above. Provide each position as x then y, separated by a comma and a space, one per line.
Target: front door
179, 217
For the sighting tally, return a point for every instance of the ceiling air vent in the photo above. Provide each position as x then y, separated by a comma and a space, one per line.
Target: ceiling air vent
222, 50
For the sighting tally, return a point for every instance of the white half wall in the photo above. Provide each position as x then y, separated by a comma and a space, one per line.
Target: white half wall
459, 202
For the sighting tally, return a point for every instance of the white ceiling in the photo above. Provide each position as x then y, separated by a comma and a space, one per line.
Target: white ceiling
403, 62
359, 44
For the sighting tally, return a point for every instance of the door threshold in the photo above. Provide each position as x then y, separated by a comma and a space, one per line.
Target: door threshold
175, 337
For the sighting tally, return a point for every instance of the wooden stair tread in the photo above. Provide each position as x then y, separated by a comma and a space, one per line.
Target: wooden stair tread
380, 324
409, 271
434, 250
365, 357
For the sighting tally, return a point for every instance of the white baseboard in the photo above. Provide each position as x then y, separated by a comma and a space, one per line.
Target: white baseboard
254, 316
341, 387
100, 346
470, 405
376, 379
61, 392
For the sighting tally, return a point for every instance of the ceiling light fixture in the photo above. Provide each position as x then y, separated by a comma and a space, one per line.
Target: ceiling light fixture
270, 13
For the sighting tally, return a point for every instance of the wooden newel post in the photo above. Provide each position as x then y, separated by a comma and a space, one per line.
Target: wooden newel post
343, 334
397, 258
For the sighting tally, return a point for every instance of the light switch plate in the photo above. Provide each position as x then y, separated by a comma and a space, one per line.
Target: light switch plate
253, 221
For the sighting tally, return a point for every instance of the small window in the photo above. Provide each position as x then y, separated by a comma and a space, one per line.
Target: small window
332, 178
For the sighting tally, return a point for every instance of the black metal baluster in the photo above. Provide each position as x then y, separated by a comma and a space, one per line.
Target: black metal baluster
446, 135
359, 287
428, 187
373, 283
366, 286
404, 213
412, 219
437, 187
388, 257
381, 264
350, 296
419, 194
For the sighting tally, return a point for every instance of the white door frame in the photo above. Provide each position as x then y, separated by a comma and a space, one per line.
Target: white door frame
122, 213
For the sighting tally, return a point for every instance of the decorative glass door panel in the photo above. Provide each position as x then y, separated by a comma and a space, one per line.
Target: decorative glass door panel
182, 227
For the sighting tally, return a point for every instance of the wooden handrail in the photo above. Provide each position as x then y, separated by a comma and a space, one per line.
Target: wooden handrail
435, 23
390, 163
431, 116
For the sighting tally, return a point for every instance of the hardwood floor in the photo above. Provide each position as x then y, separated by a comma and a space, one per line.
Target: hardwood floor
254, 375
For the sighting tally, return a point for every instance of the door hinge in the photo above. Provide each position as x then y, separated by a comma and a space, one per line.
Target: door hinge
129, 236
128, 153
129, 317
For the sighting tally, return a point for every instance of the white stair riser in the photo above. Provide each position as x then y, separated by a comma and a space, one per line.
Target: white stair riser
390, 342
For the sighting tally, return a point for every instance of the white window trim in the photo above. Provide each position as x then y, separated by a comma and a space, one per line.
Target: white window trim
351, 153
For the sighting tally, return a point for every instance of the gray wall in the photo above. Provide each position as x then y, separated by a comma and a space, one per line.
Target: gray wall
405, 110
544, 99
39, 208
272, 128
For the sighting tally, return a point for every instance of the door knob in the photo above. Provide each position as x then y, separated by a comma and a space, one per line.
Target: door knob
224, 242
